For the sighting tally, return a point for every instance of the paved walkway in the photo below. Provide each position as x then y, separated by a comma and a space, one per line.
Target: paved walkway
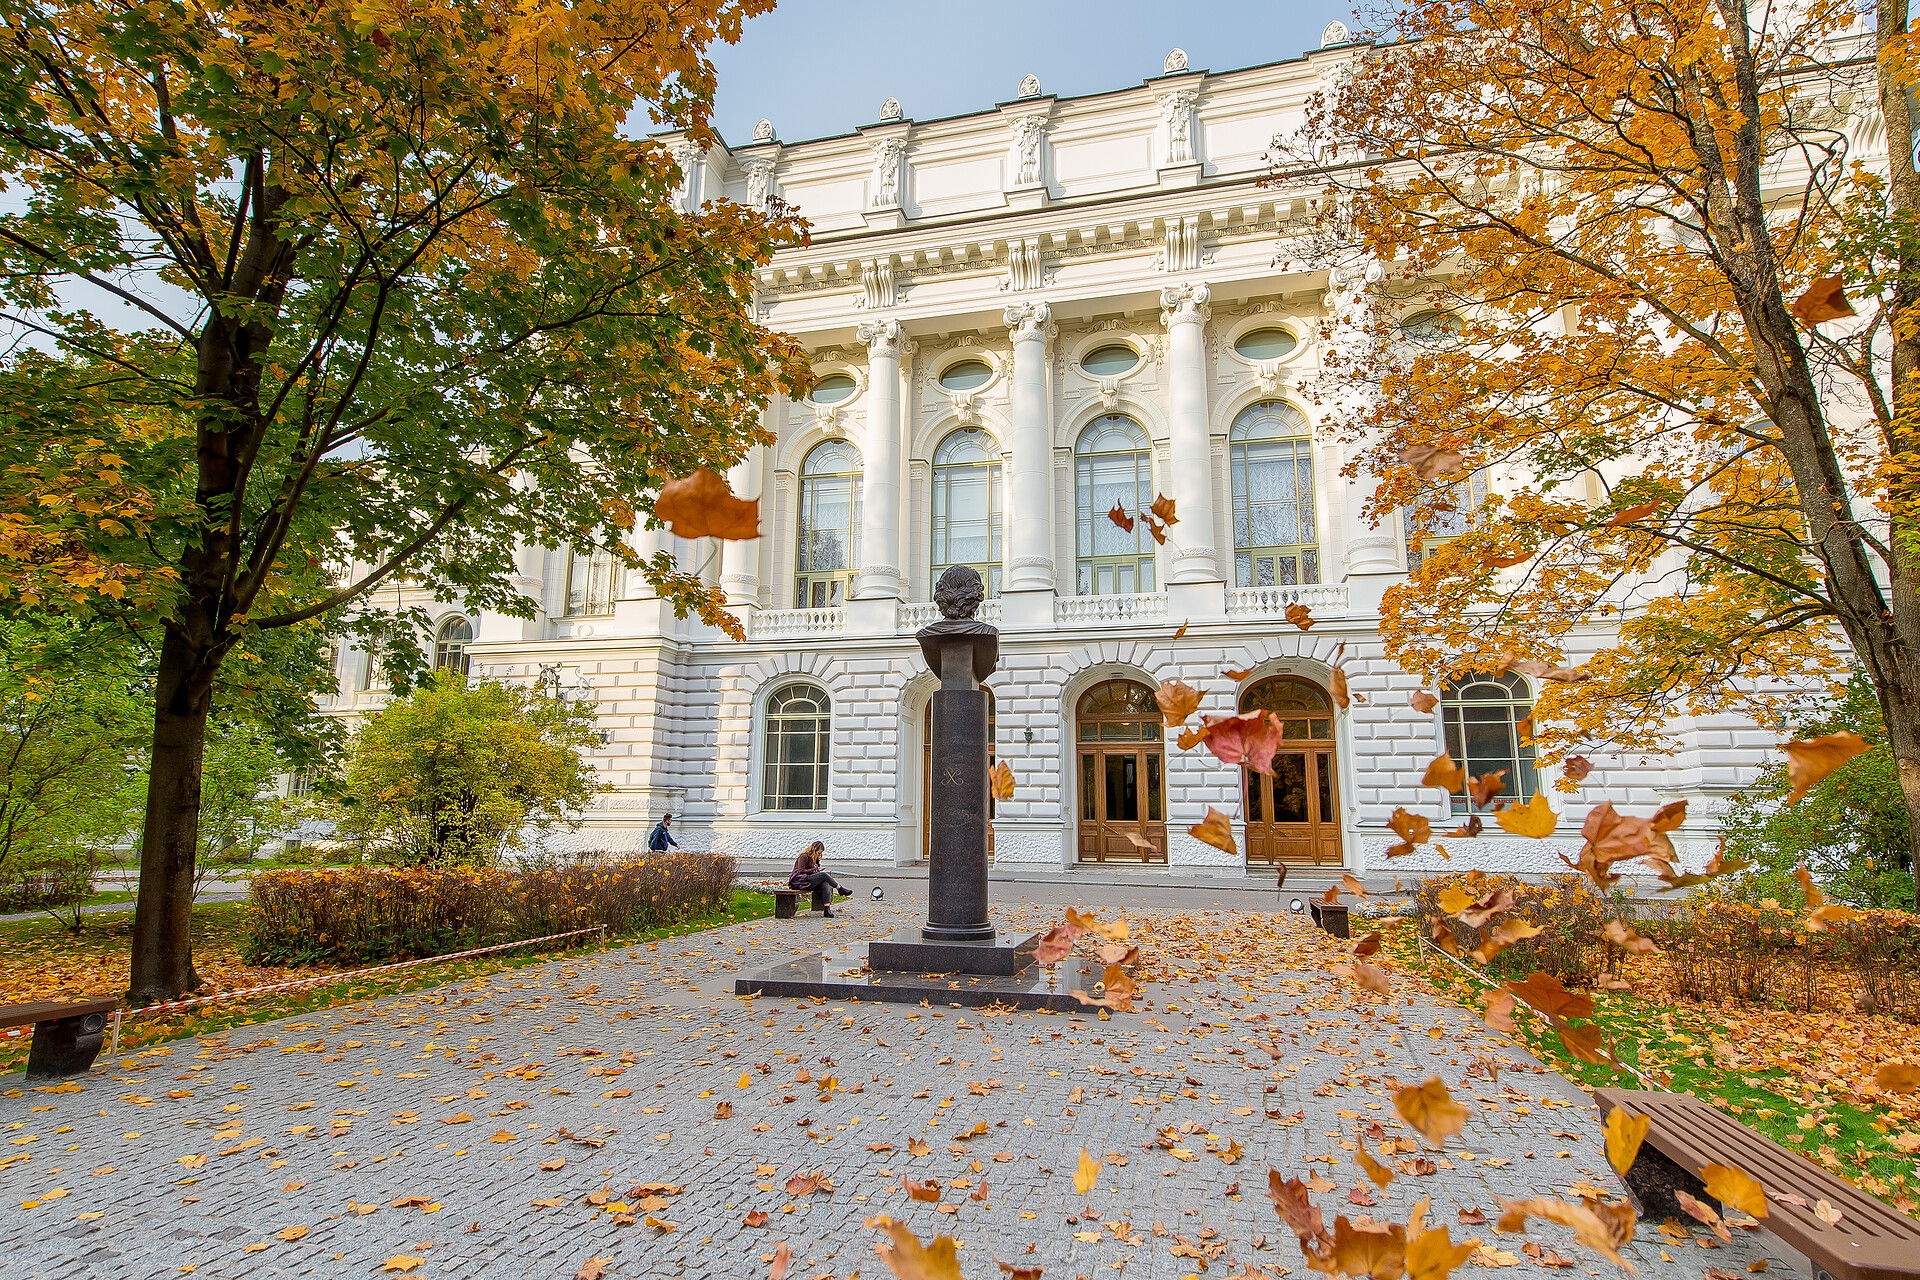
627, 1107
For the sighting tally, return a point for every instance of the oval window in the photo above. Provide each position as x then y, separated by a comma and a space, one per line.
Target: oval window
1106, 362
1429, 327
1265, 344
966, 375
832, 389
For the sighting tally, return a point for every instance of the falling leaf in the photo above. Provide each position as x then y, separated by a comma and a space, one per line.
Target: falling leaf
1000, 780
1087, 1174
1442, 772
1810, 760
928, 1191
1249, 738
1182, 630
700, 506
1374, 1249
1158, 530
1177, 700
1337, 686
1056, 944
1236, 675
1300, 616
778, 1263
1628, 515
1163, 509
1544, 992
1423, 702
1624, 937
1534, 818
1431, 1110
908, 1259
1432, 463
1377, 1173
1598, 1232
1824, 300
1215, 829
1120, 517
1499, 1006
1736, 1187
1413, 828
1897, 1077
1625, 1132
1432, 1255
1575, 768
1502, 936
1485, 787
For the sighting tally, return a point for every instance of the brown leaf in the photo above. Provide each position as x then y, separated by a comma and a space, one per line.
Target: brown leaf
1623, 936
1432, 1255
1442, 772
1118, 994
1300, 616
593, 1269
928, 1191
1215, 829
1586, 1042
805, 1184
1249, 738
1163, 508
908, 1259
700, 506
1374, 1249
1430, 1109
1000, 780
1120, 517
1296, 1208
1337, 686
1367, 945
1432, 463
1414, 828
1575, 768
1157, 530
1056, 944
1422, 701
1544, 992
1824, 300
781, 1260
1377, 1173
1627, 515
1502, 936
754, 1218
1589, 1227
1177, 700
1500, 1004
1811, 759
1235, 674
1018, 1273
1488, 785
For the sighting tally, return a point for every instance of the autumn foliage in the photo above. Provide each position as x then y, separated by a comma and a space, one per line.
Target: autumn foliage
370, 914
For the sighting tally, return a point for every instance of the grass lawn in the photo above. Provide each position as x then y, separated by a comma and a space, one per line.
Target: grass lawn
44, 962
1804, 1080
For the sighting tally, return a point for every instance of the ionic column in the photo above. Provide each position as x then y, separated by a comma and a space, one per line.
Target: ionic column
880, 577
1195, 557
740, 558
1028, 536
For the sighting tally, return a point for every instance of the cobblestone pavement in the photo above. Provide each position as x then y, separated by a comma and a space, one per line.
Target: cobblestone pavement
626, 1106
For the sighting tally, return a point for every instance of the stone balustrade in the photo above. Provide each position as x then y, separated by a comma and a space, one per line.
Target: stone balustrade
1325, 598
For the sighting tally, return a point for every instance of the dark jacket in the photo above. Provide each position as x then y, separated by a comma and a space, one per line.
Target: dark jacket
803, 868
662, 839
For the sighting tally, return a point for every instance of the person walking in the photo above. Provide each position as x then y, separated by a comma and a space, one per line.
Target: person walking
808, 876
661, 838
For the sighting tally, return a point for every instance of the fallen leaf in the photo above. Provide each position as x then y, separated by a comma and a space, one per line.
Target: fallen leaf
1087, 1174
402, 1262
593, 1269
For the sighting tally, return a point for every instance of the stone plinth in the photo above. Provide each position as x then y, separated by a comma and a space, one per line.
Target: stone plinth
911, 952
846, 975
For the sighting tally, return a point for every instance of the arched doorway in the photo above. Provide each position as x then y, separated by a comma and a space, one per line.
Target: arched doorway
1293, 816
1122, 771
926, 776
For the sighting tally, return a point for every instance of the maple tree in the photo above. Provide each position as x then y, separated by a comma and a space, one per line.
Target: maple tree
324, 299
1637, 232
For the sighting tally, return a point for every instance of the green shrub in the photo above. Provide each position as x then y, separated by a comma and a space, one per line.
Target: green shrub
367, 915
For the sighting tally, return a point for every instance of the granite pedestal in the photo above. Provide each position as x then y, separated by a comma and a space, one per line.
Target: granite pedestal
910, 951
846, 975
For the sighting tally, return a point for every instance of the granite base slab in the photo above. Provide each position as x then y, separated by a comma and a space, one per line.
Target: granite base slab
907, 951
845, 975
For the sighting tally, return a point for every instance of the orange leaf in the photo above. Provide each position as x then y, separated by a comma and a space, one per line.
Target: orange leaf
1897, 1077
1120, 517
1736, 1187
700, 506
1215, 829
1824, 300
1177, 700
1488, 785
1812, 759
1162, 509
1429, 1108
1300, 616
1627, 515
1544, 992
1442, 772
1000, 780
1337, 686
1422, 701
1432, 463
1625, 1132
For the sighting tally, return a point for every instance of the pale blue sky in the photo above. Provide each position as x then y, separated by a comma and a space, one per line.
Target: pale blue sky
819, 67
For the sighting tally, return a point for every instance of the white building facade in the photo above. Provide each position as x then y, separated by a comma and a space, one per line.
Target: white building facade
1021, 318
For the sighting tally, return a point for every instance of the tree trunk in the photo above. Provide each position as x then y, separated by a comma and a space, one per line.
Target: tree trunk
162, 960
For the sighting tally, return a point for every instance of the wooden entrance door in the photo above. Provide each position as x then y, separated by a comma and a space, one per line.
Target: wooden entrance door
1293, 817
1122, 774
926, 778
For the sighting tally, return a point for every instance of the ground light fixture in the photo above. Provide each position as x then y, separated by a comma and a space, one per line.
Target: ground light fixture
1297, 905
878, 893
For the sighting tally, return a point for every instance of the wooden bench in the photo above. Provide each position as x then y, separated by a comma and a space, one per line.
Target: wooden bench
786, 899
67, 1034
1869, 1241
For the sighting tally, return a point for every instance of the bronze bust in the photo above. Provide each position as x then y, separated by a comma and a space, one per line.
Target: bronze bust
959, 593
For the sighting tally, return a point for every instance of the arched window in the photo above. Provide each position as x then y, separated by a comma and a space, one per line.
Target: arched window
1275, 541
1113, 464
795, 735
450, 650
1482, 715
593, 582
1450, 521
966, 505
829, 533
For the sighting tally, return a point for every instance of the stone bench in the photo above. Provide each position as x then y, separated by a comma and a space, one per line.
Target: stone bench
1868, 1241
67, 1034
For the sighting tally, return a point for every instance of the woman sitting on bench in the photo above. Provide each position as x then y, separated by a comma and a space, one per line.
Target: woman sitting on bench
807, 875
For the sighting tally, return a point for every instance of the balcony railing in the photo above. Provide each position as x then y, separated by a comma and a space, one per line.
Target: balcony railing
1080, 611
1271, 602
796, 622
919, 613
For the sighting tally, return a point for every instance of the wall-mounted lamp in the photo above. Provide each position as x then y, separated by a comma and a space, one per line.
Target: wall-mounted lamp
1029, 735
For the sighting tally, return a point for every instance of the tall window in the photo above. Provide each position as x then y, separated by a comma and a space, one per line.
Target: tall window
1112, 464
795, 741
829, 541
593, 582
1450, 521
1275, 542
450, 650
1482, 716
374, 657
966, 506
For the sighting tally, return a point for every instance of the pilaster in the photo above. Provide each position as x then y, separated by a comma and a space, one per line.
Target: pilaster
1028, 569
1195, 559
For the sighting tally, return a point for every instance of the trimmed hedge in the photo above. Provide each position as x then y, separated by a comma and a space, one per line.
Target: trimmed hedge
366, 915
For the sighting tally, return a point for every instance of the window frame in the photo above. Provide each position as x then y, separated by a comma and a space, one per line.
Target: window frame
771, 731
603, 575
1302, 555
1520, 759
1089, 565
941, 477
827, 588
461, 650
1471, 493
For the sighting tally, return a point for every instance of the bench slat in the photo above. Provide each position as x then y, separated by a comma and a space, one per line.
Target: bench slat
21, 1015
1872, 1240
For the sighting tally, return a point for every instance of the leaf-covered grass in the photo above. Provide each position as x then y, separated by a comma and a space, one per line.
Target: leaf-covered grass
1797, 1078
47, 963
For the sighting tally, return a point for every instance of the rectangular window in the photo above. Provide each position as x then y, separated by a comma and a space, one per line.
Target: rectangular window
1425, 534
592, 583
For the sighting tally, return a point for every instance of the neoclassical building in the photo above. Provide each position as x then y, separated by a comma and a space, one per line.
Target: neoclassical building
1021, 318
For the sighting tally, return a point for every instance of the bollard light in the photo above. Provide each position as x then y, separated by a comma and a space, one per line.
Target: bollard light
878, 893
